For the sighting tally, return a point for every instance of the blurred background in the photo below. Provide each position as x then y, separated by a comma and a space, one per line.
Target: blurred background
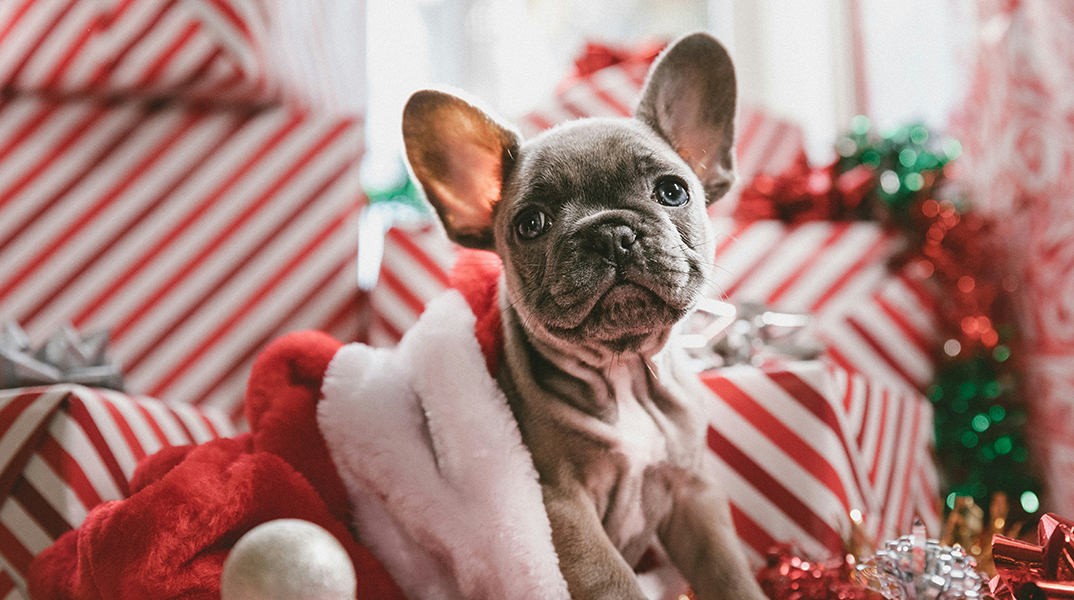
815, 62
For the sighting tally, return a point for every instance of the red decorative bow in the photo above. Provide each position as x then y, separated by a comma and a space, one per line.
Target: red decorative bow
804, 193
1036, 572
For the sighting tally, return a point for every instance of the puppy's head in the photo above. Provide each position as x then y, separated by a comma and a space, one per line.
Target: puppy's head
601, 223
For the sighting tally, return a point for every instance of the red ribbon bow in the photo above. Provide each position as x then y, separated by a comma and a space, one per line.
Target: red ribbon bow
1036, 572
805, 193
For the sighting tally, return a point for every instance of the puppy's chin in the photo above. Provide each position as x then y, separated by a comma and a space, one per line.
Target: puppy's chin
625, 318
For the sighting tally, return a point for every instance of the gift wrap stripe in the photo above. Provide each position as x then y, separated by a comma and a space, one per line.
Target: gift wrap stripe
814, 401
193, 235
204, 48
824, 431
7, 587
869, 321
766, 483
790, 431
93, 439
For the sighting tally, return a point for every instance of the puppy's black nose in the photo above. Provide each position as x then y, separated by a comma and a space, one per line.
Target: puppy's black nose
616, 243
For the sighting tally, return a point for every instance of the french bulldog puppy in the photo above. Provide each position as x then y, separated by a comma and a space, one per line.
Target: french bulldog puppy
602, 228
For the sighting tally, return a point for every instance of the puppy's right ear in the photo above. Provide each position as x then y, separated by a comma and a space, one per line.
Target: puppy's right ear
460, 155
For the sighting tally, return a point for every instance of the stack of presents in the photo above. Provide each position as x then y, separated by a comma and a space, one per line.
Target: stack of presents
163, 179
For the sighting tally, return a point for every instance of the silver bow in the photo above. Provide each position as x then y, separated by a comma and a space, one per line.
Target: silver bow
720, 334
915, 568
65, 356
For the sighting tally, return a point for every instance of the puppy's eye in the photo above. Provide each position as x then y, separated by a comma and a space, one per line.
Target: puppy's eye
671, 192
532, 223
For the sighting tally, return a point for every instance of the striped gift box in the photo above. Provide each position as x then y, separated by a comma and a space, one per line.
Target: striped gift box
67, 448
217, 50
194, 235
801, 445
872, 321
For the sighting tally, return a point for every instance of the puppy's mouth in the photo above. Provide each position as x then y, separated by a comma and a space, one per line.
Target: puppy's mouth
624, 306
623, 316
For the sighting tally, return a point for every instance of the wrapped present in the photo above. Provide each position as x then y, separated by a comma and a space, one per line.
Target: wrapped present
67, 448
871, 320
193, 235
252, 52
804, 447
182, 174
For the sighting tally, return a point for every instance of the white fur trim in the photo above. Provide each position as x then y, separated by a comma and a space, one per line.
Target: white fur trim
444, 491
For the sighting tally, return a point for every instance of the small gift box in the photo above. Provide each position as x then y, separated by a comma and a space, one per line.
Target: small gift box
68, 448
872, 320
1043, 571
804, 447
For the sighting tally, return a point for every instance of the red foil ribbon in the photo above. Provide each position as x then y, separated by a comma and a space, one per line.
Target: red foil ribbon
804, 193
1036, 572
789, 577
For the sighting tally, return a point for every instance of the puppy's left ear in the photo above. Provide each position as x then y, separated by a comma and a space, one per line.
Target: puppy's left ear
689, 99
460, 155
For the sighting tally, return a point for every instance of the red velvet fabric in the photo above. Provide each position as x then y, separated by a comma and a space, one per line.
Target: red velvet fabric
189, 505
476, 275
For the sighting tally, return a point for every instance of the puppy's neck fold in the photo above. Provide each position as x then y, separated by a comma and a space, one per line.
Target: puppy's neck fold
589, 378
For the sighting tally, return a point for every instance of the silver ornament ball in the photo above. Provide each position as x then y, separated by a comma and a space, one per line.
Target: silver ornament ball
288, 559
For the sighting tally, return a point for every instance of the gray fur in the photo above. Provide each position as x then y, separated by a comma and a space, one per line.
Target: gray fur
603, 401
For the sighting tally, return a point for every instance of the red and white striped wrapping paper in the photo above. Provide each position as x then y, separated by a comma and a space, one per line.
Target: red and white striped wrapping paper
214, 50
194, 235
413, 271
800, 445
872, 321
67, 448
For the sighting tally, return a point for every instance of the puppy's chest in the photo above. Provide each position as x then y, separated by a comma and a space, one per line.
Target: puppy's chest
633, 478
641, 430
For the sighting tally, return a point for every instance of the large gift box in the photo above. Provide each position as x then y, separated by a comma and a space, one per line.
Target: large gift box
809, 452
67, 448
160, 178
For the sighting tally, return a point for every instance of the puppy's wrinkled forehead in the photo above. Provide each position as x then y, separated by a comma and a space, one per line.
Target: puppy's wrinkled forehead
592, 161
